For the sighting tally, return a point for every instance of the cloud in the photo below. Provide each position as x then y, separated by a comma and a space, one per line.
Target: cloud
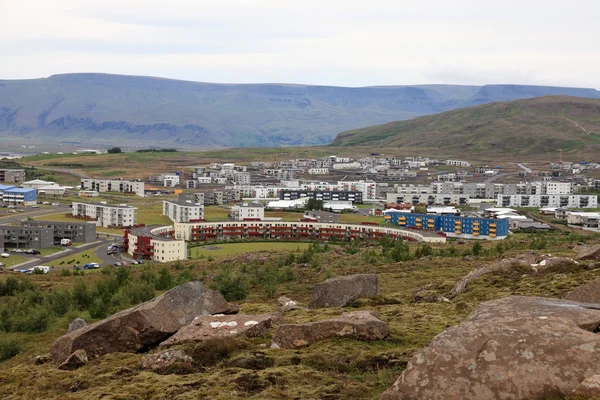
320, 42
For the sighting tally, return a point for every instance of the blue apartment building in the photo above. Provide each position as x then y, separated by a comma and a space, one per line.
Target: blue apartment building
19, 196
451, 225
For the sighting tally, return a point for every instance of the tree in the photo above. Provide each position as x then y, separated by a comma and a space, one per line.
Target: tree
477, 248
313, 204
114, 150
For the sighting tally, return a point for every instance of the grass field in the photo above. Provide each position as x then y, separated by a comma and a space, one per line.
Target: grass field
151, 214
82, 258
215, 213
239, 248
357, 219
13, 259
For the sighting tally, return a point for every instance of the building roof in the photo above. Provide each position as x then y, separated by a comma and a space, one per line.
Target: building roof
147, 231
104, 205
52, 187
6, 187
20, 190
38, 182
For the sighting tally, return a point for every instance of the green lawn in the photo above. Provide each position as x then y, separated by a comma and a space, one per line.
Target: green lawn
238, 248
63, 218
13, 260
216, 213
357, 219
50, 250
284, 215
85, 257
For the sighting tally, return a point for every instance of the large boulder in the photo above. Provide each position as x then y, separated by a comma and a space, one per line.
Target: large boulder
77, 323
588, 252
168, 362
205, 328
588, 389
78, 359
512, 348
145, 324
339, 291
363, 325
588, 293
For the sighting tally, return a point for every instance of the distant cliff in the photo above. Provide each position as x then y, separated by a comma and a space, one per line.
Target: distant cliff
145, 110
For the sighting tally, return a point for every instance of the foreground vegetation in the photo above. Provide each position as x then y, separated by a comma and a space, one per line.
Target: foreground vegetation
35, 310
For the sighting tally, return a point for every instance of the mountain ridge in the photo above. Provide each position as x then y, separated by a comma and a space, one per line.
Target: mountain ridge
523, 126
138, 109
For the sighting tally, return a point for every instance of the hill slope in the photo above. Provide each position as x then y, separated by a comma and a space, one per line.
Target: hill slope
142, 110
525, 126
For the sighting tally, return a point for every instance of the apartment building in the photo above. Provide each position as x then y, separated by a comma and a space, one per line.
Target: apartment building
116, 185
76, 231
26, 237
452, 225
324, 195
425, 198
183, 211
154, 243
318, 171
245, 211
539, 200
322, 216
106, 215
241, 178
18, 196
171, 180
12, 175
368, 188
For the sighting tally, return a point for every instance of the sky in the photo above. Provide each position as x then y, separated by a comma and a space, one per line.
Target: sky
323, 42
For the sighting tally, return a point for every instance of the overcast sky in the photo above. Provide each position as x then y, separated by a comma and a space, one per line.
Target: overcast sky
326, 42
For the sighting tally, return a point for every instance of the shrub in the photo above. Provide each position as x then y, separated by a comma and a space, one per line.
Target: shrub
165, 280
98, 309
9, 348
82, 298
476, 249
234, 288
33, 321
65, 272
59, 302
370, 257
400, 252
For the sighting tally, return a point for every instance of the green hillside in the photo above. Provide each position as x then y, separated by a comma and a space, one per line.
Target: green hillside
102, 109
531, 126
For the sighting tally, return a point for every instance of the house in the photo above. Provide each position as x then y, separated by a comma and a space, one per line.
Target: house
37, 184
12, 175
52, 190
584, 219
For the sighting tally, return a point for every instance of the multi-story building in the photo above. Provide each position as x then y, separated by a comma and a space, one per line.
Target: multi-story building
245, 211
171, 180
545, 200
368, 188
318, 171
154, 243
27, 237
116, 185
12, 175
183, 211
241, 178
452, 225
106, 215
446, 199
19, 196
76, 231
325, 195
321, 216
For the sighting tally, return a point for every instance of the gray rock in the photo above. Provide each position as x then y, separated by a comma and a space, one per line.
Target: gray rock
363, 325
588, 252
145, 324
78, 359
339, 291
588, 389
588, 293
512, 348
77, 323
288, 304
168, 362
204, 328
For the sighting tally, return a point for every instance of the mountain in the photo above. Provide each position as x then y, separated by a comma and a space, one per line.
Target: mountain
119, 109
530, 126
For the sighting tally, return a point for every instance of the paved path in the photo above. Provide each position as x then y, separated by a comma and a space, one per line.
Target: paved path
528, 170
578, 126
32, 212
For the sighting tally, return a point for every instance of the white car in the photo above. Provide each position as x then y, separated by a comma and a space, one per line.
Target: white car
5, 255
55, 204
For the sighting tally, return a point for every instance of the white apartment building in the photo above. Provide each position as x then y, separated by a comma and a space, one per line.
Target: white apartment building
427, 198
557, 188
171, 180
204, 180
318, 171
241, 178
458, 163
244, 211
183, 211
106, 215
348, 165
541, 200
116, 185
368, 188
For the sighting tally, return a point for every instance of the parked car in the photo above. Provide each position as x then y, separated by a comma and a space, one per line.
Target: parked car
46, 203
38, 268
117, 264
31, 251
55, 204
135, 262
5, 255
35, 206
91, 266
65, 242
2, 264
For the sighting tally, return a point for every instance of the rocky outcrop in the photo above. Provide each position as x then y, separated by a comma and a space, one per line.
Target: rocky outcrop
168, 362
77, 323
146, 324
206, 328
589, 388
362, 325
288, 304
339, 291
512, 348
78, 359
588, 293
588, 253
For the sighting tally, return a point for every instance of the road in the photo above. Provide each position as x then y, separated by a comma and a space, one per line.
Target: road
65, 171
528, 170
498, 176
8, 217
